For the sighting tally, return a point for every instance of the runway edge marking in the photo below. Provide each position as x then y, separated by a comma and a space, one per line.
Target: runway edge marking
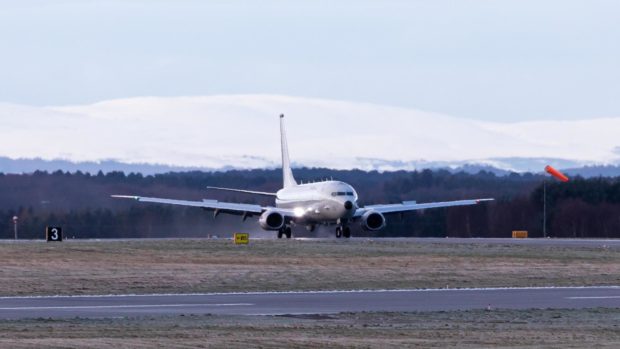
610, 287
137, 306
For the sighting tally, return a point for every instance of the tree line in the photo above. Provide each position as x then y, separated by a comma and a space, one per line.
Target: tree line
81, 203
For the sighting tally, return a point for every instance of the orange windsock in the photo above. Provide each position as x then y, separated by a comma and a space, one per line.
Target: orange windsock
557, 174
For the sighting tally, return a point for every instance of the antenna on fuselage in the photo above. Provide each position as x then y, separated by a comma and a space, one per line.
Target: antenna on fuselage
287, 172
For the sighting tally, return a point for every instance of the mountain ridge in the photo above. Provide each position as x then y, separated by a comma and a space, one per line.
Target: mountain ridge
21, 166
218, 132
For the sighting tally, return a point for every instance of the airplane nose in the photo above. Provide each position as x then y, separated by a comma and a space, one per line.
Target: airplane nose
348, 205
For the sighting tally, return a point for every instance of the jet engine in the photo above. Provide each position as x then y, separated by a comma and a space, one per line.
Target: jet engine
271, 220
373, 221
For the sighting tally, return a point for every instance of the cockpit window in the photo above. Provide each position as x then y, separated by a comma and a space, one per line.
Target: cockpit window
342, 193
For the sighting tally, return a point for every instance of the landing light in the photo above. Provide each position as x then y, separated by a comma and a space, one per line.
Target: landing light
299, 212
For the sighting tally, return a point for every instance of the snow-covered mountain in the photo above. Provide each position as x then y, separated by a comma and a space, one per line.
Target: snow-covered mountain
241, 131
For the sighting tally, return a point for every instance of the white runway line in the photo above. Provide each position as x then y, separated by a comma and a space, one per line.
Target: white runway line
421, 290
86, 307
594, 297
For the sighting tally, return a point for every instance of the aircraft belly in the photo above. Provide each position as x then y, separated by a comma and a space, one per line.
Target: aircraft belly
313, 211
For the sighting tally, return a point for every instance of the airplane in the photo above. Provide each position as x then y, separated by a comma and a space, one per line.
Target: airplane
310, 204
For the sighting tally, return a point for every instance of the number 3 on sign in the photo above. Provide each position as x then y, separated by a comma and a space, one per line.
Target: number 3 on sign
54, 234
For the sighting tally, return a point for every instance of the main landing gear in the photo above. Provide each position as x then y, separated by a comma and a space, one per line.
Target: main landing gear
285, 231
343, 231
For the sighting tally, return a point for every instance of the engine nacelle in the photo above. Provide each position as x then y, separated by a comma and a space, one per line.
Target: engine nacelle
373, 221
271, 220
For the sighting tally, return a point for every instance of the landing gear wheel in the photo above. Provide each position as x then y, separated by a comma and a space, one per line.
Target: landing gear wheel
346, 232
338, 232
285, 231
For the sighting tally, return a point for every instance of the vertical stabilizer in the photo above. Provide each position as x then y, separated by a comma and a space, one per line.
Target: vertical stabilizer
287, 173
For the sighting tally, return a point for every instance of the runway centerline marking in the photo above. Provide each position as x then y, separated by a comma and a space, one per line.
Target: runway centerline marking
594, 297
86, 307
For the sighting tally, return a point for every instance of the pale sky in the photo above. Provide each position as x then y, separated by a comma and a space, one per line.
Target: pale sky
498, 60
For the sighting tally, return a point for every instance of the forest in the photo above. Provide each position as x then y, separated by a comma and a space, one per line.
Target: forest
81, 203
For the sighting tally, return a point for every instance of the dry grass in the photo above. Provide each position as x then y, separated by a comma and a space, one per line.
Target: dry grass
595, 328
186, 266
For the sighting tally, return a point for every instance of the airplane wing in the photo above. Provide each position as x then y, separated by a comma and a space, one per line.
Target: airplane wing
214, 205
406, 206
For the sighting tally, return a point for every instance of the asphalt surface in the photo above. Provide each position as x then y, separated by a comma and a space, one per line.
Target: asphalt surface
308, 302
595, 243
615, 243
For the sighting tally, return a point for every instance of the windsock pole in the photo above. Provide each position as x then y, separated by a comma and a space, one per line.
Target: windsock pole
559, 176
545, 208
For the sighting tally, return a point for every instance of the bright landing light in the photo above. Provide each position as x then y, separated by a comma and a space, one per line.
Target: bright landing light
299, 212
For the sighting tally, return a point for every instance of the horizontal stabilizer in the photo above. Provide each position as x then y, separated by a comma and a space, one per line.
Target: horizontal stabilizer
244, 191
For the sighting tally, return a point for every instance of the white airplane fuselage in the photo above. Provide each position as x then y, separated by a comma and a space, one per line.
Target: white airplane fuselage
320, 202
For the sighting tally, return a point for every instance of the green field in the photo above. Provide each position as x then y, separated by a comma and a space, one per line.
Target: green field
595, 328
190, 266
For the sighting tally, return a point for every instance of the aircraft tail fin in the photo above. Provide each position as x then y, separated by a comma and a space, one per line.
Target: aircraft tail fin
287, 172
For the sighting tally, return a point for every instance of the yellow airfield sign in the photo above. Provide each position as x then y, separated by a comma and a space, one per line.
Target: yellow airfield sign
519, 234
242, 239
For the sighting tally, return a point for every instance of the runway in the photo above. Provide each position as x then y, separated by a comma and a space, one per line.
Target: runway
588, 243
324, 302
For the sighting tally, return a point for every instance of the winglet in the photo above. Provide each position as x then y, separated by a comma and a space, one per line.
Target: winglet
484, 200
287, 173
137, 198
